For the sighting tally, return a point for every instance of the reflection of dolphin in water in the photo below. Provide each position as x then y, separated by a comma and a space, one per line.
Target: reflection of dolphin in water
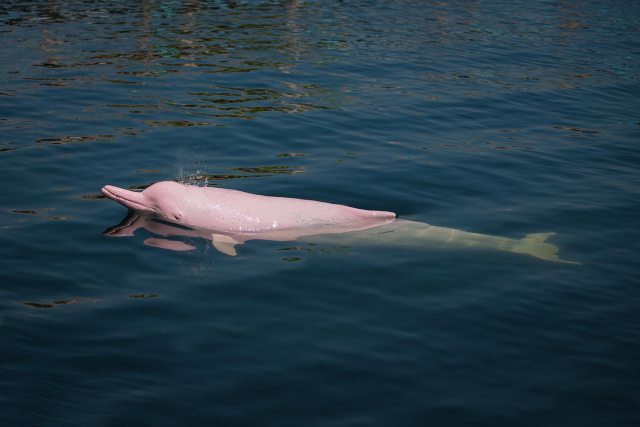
230, 217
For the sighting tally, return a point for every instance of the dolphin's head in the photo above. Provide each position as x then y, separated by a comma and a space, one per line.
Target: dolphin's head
164, 199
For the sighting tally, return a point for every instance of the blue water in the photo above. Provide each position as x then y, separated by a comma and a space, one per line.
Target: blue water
496, 117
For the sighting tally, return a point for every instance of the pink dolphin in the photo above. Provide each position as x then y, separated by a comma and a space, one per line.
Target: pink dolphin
231, 217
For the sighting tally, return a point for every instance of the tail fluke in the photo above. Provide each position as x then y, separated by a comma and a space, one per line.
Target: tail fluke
535, 245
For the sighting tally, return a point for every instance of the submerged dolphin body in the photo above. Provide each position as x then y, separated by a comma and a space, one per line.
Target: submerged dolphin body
230, 217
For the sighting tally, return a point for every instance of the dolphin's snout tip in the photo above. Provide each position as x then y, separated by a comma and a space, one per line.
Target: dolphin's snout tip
107, 191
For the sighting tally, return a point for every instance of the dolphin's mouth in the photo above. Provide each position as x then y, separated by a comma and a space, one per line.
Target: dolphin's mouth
129, 199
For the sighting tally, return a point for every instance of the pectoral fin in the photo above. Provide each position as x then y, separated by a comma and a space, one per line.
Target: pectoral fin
224, 244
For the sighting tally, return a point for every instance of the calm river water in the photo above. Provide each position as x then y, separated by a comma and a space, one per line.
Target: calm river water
497, 117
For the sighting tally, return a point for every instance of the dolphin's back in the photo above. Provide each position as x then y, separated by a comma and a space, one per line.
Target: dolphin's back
235, 210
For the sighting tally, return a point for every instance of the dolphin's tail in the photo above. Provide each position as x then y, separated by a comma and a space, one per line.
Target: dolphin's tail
536, 245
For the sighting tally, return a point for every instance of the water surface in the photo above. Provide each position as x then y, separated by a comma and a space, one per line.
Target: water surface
501, 118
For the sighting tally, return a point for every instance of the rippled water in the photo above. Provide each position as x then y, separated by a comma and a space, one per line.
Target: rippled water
501, 118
